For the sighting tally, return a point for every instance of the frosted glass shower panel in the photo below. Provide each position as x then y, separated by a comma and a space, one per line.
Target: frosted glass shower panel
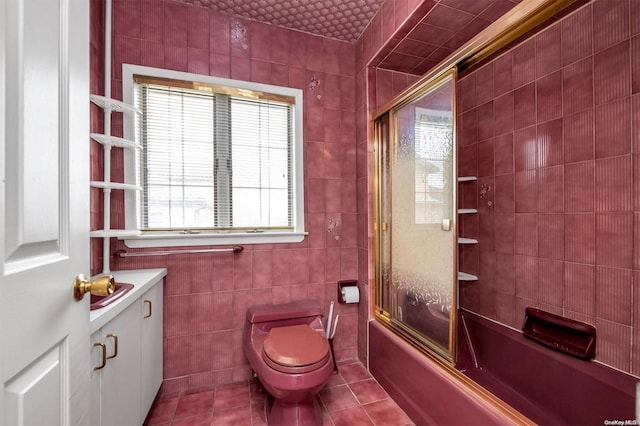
420, 192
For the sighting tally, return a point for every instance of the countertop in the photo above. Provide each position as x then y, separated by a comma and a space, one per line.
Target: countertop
142, 280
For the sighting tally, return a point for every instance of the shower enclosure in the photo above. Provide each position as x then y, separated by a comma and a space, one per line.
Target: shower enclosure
416, 217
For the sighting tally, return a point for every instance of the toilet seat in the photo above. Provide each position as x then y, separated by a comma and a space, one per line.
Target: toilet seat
295, 349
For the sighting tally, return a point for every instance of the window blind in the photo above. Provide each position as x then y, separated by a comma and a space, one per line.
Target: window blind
433, 159
213, 160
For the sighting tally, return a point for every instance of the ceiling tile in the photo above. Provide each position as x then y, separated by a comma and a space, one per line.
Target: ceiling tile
473, 7
342, 20
415, 48
430, 34
448, 18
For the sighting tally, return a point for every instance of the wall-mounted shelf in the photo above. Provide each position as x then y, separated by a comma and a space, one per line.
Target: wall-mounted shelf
111, 233
115, 185
463, 276
113, 105
462, 240
107, 141
114, 141
467, 211
560, 333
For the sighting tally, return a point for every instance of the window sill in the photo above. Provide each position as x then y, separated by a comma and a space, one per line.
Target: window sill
210, 239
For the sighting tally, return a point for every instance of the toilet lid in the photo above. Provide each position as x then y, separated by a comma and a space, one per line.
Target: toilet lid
296, 347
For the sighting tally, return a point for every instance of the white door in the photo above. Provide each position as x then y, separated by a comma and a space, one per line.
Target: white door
44, 211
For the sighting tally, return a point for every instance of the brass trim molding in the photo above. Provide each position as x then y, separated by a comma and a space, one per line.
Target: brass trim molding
213, 88
386, 143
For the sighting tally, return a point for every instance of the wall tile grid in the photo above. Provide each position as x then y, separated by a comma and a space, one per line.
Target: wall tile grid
373, 88
387, 84
206, 295
398, 20
558, 141
556, 129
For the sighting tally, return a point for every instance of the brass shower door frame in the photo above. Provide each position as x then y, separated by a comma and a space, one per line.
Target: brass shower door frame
390, 120
522, 18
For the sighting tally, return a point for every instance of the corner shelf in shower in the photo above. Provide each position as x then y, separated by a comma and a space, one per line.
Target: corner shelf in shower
463, 276
467, 211
462, 240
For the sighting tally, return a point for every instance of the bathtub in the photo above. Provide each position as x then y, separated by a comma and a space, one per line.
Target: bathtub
428, 393
548, 386
538, 385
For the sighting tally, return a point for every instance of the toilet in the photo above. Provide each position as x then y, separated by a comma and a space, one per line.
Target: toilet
288, 351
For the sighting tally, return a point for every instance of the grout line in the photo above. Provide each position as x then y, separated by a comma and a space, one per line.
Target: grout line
325, 410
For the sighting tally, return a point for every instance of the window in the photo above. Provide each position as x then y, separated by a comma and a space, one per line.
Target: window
221, 160
433, 165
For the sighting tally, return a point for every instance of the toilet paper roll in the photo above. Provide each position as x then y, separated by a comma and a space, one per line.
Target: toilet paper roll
351, 294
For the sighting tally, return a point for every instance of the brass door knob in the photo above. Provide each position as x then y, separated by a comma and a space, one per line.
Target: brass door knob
102, 286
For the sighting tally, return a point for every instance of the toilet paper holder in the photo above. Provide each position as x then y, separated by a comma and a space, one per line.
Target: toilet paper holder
343, 284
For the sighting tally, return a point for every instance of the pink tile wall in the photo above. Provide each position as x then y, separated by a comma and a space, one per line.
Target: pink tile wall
558, 142
390, 25
206, 295
395, 19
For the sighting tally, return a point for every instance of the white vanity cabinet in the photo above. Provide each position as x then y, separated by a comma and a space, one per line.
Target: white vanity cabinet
125, 382
118, 382
151, 348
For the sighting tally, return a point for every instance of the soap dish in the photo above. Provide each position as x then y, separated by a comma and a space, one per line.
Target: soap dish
560, 333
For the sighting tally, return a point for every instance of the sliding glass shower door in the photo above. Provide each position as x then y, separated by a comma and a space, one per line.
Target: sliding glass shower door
416, 226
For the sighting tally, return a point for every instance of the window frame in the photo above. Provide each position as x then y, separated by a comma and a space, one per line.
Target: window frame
210, 237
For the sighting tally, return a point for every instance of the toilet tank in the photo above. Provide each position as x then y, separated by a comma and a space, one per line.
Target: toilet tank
270, 313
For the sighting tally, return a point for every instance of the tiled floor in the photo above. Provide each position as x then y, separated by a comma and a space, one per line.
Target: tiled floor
351, 398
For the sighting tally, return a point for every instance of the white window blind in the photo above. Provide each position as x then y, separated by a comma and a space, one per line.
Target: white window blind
433, 163
214, 161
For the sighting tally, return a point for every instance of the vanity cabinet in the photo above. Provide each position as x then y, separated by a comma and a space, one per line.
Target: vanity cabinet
116, 383
151, 348
126, 362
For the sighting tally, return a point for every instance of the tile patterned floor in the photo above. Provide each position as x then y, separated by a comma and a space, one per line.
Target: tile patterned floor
351, 398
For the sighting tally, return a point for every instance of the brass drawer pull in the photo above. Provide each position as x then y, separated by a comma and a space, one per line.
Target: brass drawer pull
104, 356
115, 345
